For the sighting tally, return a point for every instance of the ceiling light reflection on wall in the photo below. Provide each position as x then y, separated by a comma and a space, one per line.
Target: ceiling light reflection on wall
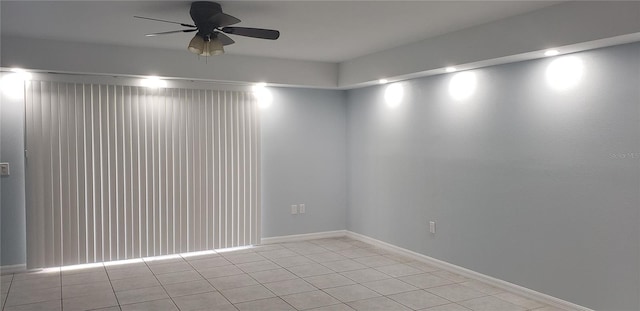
12, 84
451, 69
551, 53
565, 72
263, 95
153, 82
462, 85
383, 81
393, 95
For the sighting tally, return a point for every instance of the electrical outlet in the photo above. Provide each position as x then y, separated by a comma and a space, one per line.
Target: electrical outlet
301, 208
294, 209
432, 227
4, 169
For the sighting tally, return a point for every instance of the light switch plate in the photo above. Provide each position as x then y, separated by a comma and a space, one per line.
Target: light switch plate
4, 169
294, 209
301, 208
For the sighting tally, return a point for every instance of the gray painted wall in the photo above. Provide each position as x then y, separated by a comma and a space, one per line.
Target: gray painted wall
304, 161
12, 201
526, 184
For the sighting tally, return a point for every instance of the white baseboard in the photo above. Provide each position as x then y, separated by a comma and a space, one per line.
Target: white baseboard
302, 237
510, 287
8, 269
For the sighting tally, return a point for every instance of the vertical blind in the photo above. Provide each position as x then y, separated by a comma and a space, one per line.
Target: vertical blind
117, 172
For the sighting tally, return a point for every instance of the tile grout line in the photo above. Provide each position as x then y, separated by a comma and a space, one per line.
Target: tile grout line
356, 282
198, 272
340, 273
484, 295
315, 261
286, 269
112, 288
156, 277
8, 291
279, 265
321, 290
261, 284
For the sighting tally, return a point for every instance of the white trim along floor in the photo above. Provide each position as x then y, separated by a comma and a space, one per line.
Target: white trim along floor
336, 270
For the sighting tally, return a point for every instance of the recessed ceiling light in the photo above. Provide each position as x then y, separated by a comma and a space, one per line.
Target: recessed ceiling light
153, 82
383, 81
262, 94
23, 74
12, 84
451, 69
551, 53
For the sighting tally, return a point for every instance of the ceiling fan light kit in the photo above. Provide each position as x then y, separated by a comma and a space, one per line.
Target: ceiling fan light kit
211, 25
196, 45
212, 47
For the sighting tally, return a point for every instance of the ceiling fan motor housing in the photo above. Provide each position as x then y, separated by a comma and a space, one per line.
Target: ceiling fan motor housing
203, 13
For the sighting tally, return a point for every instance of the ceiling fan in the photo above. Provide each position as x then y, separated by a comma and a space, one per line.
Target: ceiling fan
211, 27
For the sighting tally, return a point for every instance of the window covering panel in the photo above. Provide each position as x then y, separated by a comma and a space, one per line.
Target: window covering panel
119, 172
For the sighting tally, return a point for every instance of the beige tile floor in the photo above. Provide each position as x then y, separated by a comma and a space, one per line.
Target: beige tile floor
325, 274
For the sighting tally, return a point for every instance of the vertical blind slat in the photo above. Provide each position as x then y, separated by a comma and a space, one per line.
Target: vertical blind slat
66, 136
195, 137
80, 168
121, 180
154, 174
254, 145
218, 170
47, 167
183, 175
224, 176
112, 165
172, 171
207, 200
90, 201
126, 169
100, 178
135, 173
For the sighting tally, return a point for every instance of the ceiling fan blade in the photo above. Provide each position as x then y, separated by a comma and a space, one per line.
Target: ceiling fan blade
224, 39
253, 32
169, 32
222, 20
165, 21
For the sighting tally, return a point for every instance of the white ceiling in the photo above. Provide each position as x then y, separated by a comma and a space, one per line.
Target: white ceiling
330, 31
